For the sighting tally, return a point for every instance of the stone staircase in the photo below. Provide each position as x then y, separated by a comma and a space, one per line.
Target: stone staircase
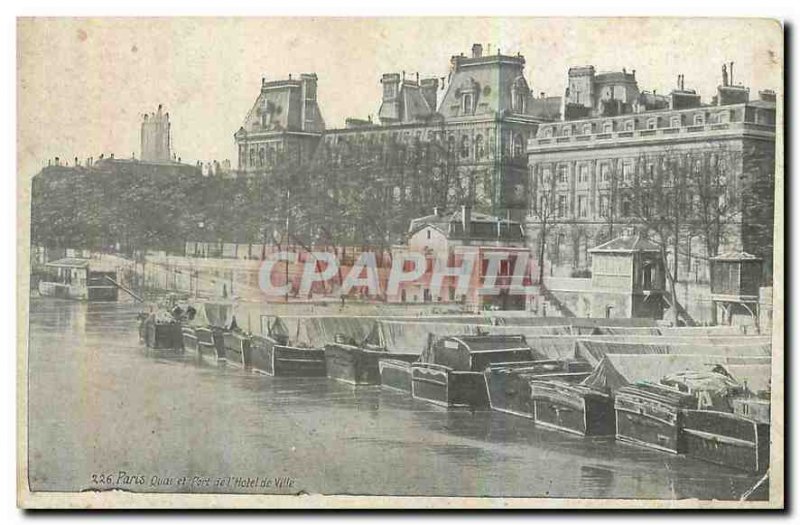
550, 305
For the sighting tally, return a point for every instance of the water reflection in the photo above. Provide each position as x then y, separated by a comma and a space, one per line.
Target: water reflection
99, 402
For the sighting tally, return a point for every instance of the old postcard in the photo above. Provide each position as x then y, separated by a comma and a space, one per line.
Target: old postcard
400, 262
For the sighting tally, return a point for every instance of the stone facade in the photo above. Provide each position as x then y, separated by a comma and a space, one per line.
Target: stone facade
284, 124
474, 136
588, 165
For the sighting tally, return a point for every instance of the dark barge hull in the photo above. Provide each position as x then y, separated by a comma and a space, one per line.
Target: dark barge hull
163, 336
273, 359
449, 388
237, 349
189, 336
726, 439
572, 408
508, 384
358, 366
210, 344
651, 419
395, 374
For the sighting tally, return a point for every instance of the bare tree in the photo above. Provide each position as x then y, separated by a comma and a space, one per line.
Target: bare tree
544, 210
657, 196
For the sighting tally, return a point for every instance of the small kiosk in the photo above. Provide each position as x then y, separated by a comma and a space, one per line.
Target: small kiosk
735, 286
628, 278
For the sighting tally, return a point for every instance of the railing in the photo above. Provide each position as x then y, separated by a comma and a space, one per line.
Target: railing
642, 133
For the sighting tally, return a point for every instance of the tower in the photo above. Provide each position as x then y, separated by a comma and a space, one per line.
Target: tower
156, 137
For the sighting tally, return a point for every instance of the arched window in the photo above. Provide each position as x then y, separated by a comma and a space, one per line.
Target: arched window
451, 143
465, 146
261, 155
479, 150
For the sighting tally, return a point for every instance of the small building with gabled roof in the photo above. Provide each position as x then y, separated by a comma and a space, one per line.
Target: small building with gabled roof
628, 278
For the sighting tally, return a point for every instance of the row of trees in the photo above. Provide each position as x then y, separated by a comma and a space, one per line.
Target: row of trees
363, 196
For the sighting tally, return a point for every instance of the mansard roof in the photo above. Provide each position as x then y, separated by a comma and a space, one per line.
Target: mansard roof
279, 107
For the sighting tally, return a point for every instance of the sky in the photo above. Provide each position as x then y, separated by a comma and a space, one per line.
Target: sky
84, 84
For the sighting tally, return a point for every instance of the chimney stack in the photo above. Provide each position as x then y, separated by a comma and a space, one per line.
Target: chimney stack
428, 88
437, 211
466, 218
477, 50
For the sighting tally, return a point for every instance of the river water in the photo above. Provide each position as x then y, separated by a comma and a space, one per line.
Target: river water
104, 413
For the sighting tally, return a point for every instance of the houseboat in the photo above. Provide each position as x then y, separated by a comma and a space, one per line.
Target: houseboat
450, 372
652, 415
75, 278
356, 365
274, 356
508, 384
574, 408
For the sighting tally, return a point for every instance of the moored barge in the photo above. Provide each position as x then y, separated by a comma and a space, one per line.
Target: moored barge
652, 415
395, 374
237, 348
508, 384
450, 371
727, 439
570, 407
358, 366
273, 356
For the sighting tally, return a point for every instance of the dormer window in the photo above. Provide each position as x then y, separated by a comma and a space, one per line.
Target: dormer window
652, 123
608, 127
675, 122
548, 132
587, 129
629, 125
567, 130
699, 120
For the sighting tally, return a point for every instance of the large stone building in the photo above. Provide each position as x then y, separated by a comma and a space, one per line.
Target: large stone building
586, 171
284, 123
474, 136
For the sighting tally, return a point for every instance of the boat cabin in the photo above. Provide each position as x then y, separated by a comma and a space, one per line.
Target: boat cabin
476, 352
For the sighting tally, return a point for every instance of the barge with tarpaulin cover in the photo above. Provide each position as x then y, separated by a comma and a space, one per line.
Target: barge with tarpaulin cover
273, 355
78, 278
508, 384
731, 425
450, 372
